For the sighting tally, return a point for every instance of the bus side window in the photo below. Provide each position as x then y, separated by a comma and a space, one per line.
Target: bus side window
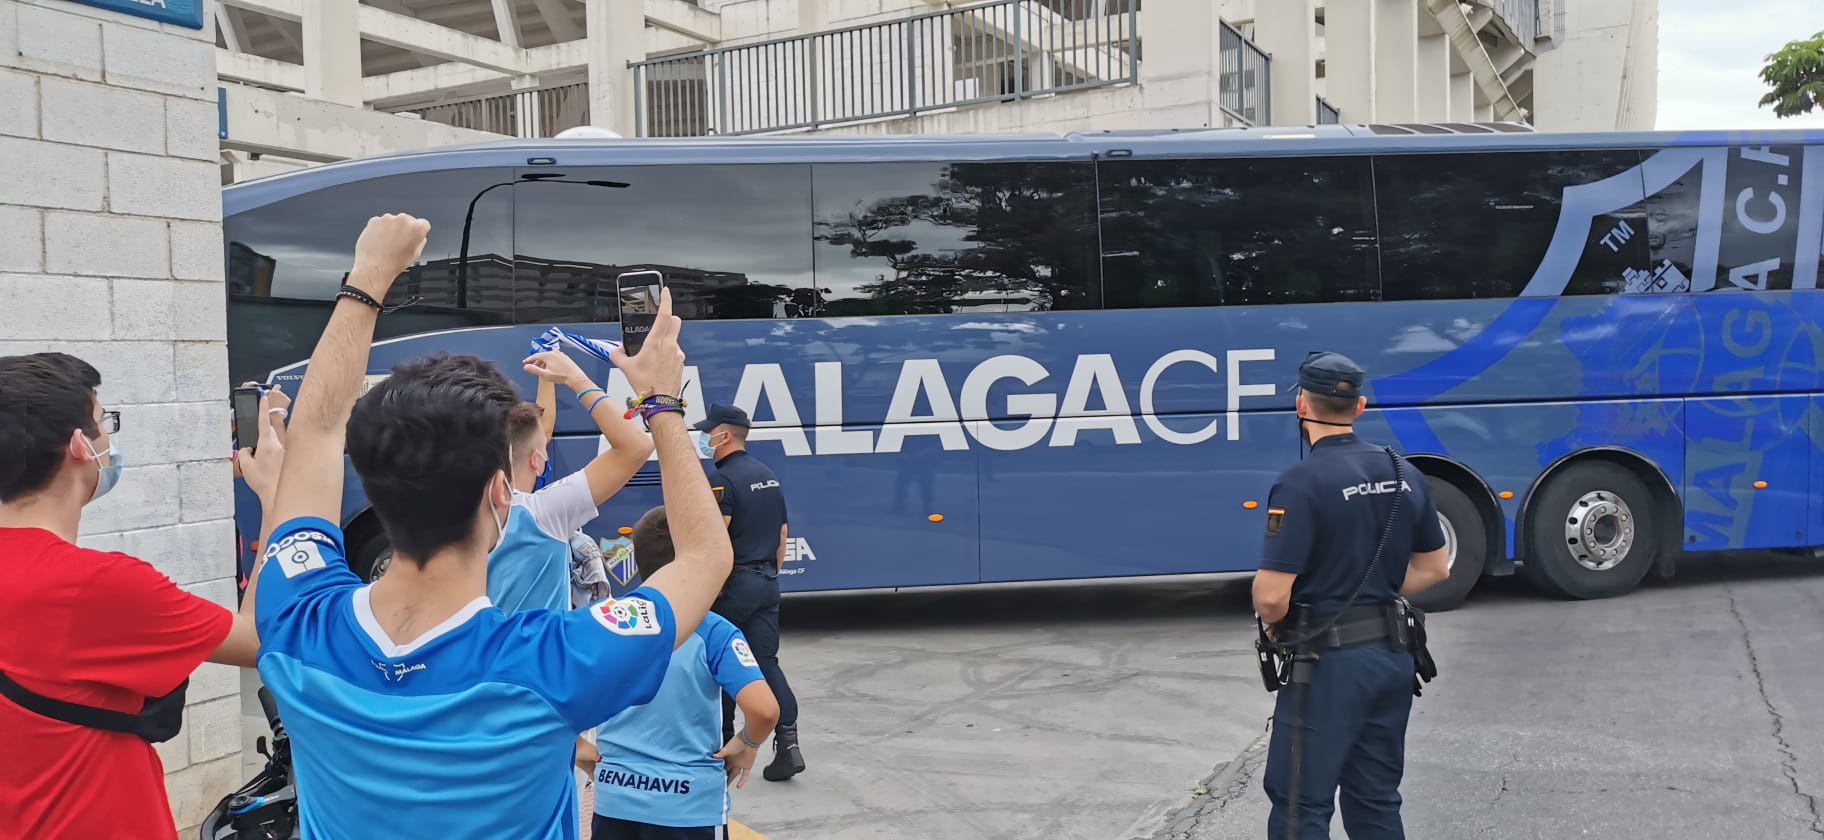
1478, 225
940, 238
285, 261
1755, 214
731, 240
1237, 232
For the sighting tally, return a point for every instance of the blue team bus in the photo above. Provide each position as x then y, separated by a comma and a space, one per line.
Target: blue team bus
1019, 358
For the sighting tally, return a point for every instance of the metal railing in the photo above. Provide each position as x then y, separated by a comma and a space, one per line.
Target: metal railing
1246, 85
1522, 16
995, 51
1327, 114
534, 112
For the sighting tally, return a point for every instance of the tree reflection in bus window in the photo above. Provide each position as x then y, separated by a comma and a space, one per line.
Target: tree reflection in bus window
733, 241
936, 238
1237, 232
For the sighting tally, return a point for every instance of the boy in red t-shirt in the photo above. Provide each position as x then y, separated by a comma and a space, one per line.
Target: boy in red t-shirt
98, 629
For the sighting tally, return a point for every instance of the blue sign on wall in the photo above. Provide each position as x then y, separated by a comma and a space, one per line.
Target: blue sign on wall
221, 113
181, 12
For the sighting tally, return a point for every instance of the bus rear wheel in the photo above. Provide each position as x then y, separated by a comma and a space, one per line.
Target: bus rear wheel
1465, 545
1591, 533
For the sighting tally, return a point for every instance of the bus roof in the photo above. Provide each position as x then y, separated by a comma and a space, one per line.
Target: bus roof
1142, 143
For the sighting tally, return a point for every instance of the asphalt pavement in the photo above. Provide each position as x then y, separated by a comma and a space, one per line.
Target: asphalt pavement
1687, 710
1132, 710
1081, 711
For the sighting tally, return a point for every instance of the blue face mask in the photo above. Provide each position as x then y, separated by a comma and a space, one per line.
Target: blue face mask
704, 448
110, 474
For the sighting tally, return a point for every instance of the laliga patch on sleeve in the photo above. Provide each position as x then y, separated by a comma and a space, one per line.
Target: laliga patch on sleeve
1274, 517
299, 552
627, 616
744, 654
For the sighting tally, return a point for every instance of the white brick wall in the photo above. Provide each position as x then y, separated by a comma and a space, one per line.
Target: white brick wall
110, 249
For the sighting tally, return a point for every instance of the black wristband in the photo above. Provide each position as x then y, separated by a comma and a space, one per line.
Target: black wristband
353, 293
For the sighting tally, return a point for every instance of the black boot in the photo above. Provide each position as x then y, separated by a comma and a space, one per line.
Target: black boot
787, 760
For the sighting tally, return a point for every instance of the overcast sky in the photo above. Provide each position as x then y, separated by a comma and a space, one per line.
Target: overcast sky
1710, 57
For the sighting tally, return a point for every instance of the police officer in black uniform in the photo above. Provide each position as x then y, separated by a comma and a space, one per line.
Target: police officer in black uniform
1337, 609
753, 505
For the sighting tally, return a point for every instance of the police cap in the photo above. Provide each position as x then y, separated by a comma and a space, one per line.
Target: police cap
1331, 375
723, 415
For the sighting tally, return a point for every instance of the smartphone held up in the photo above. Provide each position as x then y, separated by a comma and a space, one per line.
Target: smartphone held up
247, 417
638, 292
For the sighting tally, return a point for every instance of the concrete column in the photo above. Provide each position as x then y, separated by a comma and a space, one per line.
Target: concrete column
1434, 80
1288, 30
111, 251
1462, 97
1349, 66
616, 36
1180, 70
332, 51
528, 110
1396, 60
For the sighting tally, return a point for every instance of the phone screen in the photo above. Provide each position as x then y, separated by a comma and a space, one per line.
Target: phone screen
638, 292
247, 417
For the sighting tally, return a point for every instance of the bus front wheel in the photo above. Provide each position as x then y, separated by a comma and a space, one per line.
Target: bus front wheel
1591, 532
1465, 544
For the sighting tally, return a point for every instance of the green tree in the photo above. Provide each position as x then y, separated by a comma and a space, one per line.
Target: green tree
1796, 74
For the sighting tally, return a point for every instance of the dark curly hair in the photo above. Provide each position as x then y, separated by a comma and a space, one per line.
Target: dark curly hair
426, 441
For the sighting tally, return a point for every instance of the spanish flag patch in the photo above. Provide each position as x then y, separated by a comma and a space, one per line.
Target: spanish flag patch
1274, 517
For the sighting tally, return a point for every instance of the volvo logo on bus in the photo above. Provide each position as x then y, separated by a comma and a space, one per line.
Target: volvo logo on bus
1051, 408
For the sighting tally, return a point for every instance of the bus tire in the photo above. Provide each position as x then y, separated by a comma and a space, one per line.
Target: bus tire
1591, 532
369, 551
1466, 540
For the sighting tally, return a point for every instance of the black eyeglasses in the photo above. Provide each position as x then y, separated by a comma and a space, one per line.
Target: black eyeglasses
110, 422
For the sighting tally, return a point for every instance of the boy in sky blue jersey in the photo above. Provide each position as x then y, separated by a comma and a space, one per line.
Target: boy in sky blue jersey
661, 776
413, 703
530, 569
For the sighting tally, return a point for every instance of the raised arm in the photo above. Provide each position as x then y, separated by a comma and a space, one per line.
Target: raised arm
261, 471
704, 557
547, 407
310, 483
628, 448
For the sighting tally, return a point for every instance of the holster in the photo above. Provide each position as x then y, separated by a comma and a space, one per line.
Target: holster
1424, 668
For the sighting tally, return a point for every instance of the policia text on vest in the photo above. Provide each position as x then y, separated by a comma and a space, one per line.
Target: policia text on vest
1349, 529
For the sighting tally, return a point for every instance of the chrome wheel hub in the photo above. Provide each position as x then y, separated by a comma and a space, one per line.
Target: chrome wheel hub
1599, 530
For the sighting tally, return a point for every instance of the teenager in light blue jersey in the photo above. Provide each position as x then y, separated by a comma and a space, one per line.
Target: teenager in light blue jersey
415, 705
530, 569
661, 775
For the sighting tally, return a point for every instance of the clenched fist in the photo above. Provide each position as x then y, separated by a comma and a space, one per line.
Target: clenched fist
387, 247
